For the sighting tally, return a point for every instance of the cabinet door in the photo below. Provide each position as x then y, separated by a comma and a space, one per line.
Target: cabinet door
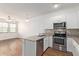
39, 47
29, 48
72, 46
69, 44
75, 49
46, 43
50, 42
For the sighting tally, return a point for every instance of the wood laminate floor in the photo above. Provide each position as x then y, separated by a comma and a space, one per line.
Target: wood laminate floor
54, 52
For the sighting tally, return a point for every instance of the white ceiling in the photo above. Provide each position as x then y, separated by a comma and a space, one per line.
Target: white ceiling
28, 10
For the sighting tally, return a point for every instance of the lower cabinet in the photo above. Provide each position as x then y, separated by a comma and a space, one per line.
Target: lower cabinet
36, 48
72, 46
48, 42
69, 44
33, 48
51, 41
29, 48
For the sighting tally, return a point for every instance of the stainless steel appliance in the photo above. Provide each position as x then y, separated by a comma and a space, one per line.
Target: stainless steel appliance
59, 37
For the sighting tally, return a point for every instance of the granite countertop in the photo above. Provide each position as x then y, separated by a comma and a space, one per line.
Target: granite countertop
71, 33
10, 39
35, 38
75, 38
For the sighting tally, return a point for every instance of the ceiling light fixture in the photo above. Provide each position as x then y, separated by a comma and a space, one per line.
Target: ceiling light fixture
9, 18
27, 20
56, 6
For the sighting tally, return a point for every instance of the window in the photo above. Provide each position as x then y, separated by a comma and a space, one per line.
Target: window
0, 27
3, 27
8, 27
12, 27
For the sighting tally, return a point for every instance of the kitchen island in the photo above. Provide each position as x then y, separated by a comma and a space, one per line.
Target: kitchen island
33, 46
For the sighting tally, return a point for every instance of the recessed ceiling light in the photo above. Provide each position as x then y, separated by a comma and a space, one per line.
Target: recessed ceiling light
56, 6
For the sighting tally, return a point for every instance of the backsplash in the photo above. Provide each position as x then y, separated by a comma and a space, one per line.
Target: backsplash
70, 32
73, 32
49, 32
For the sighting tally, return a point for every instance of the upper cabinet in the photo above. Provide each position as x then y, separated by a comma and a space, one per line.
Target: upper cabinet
72, 20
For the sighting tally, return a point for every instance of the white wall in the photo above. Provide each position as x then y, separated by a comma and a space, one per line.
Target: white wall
38, 24
70, 15
33, 27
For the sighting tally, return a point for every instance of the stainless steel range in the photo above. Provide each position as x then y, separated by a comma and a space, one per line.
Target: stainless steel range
59, 37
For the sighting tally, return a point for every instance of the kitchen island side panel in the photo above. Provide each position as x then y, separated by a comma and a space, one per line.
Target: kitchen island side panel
29, 48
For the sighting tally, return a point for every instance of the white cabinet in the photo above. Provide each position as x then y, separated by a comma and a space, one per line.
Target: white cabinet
29, 48
71, 20
69, 44
33, 48
72, 46
48, 41
75, 48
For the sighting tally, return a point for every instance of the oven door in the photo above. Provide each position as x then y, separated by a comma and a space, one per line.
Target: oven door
59, 41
